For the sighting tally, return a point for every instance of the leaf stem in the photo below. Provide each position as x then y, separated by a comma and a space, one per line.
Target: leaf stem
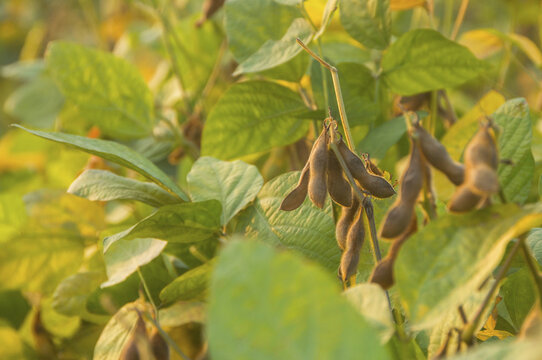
338, 92
459, 18
470, 328
147, 292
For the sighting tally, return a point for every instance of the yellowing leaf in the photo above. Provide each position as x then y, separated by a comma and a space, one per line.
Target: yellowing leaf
406, 4
482, 42
528, 47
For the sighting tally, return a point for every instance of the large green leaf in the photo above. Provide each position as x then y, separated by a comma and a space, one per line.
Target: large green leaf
367, 21
304, 315
123, 257
515, 144
105, 186
423, 60
464, 250
276, 52
70, 297
519, 296
535, 243
307, 230
115, 152
186, 222
105, 90
234, 184
253, 117
192, 285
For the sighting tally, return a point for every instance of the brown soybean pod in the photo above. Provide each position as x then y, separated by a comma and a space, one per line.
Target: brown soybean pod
339, 189
139, 334
296, 197
483, 180
464, 199
159, 346
318, 168
437, 155
383, 272
376, 185
482, 149
345, 222
400, 214
354, 242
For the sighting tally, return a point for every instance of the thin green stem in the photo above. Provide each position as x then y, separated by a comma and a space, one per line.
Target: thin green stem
147, 292
533, 267
338, 93
470, 328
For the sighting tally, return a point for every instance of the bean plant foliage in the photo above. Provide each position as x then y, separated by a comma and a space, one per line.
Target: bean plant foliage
165, 170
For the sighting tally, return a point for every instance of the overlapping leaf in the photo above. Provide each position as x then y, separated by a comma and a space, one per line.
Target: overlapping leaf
367, 21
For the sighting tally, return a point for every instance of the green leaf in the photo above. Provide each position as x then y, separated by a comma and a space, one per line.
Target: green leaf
105, 186
515, 144
307, 230
192, 285
182, 313
504, 350
464, 250
370, 300
329, 10
253, 117
186, 222
234, 184
13, 307
535, 243
123, 257
36, 103
423, 60
70, 297
12, 346
379, 139
367, 21
106, 90
116, 153
277, 52
519, 296
247, 30
304, 315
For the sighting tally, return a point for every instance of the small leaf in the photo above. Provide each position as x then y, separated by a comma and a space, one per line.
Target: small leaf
307, 230
304, 315
106, 90
105, 186
535, 243
185, 223
331, 6
482, 42
192, 285
422, 60
464, 249
367, 21
253, 117
274, 53
116, 153
70, 297
123, 258
519, 296
372, 302
182, 313
234, 184
515, 137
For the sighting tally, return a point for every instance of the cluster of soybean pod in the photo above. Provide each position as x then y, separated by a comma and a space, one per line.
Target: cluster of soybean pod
476, 180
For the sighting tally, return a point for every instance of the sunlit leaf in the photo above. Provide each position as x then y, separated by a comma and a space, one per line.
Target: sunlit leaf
192, 285
367, 21
234, 184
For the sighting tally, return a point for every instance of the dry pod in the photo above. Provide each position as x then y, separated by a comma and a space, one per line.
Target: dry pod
376, 185
400, 214
482, 149
339, 189
42, 339
159, 346
383, 272
371, 166
137, 341
296, 197
483, 180
354, 242
464, 199
345, 222
437, 155
318, 169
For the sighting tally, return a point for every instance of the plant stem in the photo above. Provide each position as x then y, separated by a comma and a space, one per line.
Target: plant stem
470, 328
338, 93
533, 266
459, 18
147, 292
